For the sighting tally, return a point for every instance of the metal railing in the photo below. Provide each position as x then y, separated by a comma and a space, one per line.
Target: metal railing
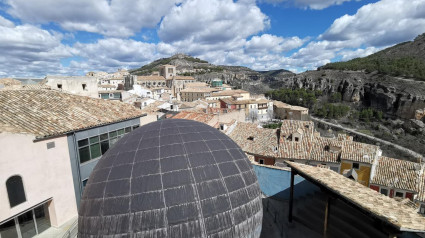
72, 231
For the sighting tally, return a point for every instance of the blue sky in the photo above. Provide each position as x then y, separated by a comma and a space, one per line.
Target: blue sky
72, 37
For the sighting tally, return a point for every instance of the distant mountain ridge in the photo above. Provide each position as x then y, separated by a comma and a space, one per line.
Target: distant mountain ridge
404, 59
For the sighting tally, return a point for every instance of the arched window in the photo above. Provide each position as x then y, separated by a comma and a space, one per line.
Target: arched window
15, 190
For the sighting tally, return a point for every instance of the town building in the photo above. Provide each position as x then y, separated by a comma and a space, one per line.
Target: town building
111, 94
285, 111
192, 94
167, 77
106, 87
395, 178
151, 81
79, 85
216, 83
49, 151
177, 84
197, 85
259, 109
358, 157
241, 94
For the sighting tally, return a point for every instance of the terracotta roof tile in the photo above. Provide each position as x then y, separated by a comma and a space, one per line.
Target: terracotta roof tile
396, 173
254, 140
359, 152
322, 150
400, 215
150, 78
45, 113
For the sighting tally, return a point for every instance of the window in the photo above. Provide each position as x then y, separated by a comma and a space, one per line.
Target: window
422, 209
356, 166
15, 190
261, 161
297, 139
251, 138
170, 70
384, 191
104, 143
84, 86
59, 86
399, 194
27, 224
94, 147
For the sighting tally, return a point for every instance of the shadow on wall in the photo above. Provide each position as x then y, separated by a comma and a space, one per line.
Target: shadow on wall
276, 183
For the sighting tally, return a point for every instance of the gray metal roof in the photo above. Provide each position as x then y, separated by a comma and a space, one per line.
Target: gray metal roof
172, 178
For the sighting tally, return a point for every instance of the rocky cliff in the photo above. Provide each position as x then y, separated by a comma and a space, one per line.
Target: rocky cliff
394, 95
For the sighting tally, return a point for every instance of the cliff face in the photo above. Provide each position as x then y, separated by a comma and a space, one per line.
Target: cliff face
394, 95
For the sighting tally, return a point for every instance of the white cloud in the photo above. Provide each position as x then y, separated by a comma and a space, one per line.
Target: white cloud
212, 22
119, 18
351, 54
311, 4
112, 53
272, 43
29, 50
379, 24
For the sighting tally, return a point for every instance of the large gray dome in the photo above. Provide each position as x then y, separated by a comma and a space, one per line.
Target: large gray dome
172, 178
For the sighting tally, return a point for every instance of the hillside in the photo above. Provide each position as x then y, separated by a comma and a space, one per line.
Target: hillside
237, 76
405, 59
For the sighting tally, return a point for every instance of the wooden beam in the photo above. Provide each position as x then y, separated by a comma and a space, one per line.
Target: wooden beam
325, 225
291, 195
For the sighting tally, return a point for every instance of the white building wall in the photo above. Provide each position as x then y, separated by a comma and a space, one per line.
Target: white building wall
46, 173
74, 85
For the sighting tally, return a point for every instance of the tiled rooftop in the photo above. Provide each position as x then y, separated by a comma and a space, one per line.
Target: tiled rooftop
296, 149
396, 173
255, 140
321, 150
196, 84
150, 78
359, 152
195, 116
198, 90
9, 81
107, 86
26, 87
178, 77
229, 92
401, 216
280, 104
45, 113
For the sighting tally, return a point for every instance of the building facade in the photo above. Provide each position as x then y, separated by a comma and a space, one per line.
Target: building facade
78, 85
50, 154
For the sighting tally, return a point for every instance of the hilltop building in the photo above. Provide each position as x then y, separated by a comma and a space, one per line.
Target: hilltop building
167, 77
49, 151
